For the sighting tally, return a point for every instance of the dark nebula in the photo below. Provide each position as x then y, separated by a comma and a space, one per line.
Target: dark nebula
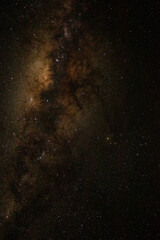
76, 157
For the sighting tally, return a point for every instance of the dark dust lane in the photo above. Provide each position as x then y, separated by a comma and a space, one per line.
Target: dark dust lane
66, 142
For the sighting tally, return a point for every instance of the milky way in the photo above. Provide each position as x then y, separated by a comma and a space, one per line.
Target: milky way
67, 147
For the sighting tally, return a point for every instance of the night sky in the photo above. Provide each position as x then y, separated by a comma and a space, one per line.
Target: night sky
79, 120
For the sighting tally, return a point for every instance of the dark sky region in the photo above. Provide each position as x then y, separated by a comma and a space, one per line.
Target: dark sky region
79, 120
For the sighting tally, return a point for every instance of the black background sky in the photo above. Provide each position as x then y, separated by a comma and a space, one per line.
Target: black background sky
133, 29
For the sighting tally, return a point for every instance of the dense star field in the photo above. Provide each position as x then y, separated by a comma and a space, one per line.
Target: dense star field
76, 126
